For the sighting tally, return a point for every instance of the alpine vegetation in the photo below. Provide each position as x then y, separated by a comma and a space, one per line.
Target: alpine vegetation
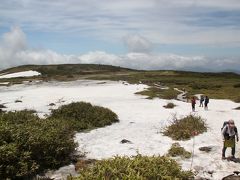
82, 115
177, 150
136, 167
30, 145
169, 105
185, 128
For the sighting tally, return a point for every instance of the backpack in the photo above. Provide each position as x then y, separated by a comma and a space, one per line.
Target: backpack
224, 124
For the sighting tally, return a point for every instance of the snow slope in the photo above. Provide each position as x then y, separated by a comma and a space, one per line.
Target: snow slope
21, 74
141, 121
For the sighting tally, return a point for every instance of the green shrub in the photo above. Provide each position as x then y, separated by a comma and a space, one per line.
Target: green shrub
83, 115
2, 106
185, 128
177, 150
236, 85
138, 167
29, 145
198, 86
153, 92
169, 105
237, 99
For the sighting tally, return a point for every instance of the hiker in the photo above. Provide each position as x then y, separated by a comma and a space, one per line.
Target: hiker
229, 131
206, 101
201, 101
193, 101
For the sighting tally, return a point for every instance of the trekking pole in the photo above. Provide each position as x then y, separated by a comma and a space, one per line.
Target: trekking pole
194, 134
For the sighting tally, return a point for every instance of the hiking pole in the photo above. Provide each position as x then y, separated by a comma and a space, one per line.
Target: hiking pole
194, 133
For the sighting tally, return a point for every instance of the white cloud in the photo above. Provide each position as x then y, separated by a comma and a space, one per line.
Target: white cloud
137, 43
160, 21
14, 51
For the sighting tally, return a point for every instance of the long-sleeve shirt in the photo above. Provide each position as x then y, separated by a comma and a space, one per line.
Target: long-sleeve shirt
228, 132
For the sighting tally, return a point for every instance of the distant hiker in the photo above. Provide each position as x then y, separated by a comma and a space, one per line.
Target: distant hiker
229, 131
201, 101
193, 102
206, 101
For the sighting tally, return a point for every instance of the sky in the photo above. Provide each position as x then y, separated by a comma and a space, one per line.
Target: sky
197, 35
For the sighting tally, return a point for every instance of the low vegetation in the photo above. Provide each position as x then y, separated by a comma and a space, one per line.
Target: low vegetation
64, 72
83, 115
215, 85
177, 150
138, 167
154, 92
30, 145
2, 106
236, 85
185, 128
169, 105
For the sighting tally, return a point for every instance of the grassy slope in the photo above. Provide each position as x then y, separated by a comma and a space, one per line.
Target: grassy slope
215, 85
64, 72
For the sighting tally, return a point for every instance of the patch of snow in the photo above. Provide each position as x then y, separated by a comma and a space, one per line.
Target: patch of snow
141, 121
62, 173
4, 83
29, 73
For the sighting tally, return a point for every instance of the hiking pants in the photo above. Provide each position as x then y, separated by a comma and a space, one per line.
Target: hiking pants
193, 107
224, 150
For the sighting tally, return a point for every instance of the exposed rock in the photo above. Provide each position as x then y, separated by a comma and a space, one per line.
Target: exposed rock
125, 141
2, 106
205, 148
52, 104
18, 101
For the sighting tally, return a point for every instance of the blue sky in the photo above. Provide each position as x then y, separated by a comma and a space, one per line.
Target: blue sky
125, 30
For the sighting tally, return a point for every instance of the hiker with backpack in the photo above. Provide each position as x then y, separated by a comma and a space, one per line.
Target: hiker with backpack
229, 131
193, 102
206, 101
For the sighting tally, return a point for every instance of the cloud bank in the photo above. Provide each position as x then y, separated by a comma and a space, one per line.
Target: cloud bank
161, 21
14, 51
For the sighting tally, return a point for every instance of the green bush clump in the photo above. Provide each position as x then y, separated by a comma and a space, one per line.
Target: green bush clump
204, 86
29, 145
2, 106
169, 106
82, 115
236, 85
154, 92
137, 167
185, 128
177, 150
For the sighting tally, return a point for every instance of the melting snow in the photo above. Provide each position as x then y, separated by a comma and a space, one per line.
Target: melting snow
20, 74
141, 121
